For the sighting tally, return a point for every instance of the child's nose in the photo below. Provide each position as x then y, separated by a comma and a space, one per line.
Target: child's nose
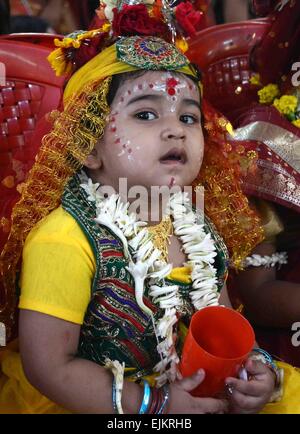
173, 132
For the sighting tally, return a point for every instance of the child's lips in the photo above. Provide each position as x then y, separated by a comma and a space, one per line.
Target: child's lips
175, 156
172, 163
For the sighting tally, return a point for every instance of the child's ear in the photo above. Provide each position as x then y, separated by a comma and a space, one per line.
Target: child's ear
93, 161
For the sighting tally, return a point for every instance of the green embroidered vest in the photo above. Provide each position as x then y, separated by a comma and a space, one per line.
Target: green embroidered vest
114, 326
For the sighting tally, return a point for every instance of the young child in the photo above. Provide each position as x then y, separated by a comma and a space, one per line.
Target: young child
99, 291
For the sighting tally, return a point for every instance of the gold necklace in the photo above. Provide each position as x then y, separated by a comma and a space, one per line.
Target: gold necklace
160, 236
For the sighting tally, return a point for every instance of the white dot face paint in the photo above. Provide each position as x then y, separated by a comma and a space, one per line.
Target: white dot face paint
167, 85
136, 137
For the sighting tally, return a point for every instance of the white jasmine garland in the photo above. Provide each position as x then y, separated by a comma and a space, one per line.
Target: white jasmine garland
146, 263
278, 258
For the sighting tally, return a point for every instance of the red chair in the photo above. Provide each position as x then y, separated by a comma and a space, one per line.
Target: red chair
41, 39
222, 54
31, 90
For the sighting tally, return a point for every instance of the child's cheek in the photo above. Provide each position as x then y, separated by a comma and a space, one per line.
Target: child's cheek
120, 144
125, 143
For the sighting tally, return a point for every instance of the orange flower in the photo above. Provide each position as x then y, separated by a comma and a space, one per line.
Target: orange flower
156, 10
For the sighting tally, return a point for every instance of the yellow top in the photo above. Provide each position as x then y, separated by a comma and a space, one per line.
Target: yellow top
59, 266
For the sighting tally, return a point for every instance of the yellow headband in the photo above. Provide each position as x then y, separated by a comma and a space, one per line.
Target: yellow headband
103, 65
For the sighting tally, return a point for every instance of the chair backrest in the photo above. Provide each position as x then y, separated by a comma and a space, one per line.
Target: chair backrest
41, 39
222, 54
28, 92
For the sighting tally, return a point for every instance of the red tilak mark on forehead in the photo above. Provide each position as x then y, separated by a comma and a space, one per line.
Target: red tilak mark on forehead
171, 84
113, 129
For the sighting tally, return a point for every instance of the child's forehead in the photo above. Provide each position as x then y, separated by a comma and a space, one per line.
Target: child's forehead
168, 83
161, 77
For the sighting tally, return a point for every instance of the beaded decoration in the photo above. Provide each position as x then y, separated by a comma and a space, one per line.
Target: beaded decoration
151, 53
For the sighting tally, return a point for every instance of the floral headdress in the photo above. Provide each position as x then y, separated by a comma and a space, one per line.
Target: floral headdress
124, 18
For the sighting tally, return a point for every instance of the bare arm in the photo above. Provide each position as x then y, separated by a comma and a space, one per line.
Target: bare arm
48, 347
269, 302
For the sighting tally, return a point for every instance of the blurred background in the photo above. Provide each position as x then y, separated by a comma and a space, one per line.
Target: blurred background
45, 16
64, 16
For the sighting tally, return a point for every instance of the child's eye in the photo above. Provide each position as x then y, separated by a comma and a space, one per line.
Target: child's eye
189, 119
146, 116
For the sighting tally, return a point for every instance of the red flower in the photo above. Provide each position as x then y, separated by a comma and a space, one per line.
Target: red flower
89, 49
135, 20
188, 18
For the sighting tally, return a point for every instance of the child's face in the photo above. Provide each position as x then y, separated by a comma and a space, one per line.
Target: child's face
154, 135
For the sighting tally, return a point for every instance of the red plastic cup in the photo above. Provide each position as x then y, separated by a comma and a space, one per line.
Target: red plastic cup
219, 340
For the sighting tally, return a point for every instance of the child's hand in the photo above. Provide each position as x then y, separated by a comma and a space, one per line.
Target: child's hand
251, 396
181, 401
